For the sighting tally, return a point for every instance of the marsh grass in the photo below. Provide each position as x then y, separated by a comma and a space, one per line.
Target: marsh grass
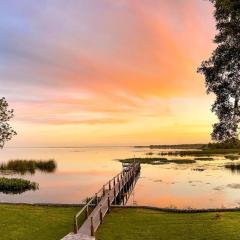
157, 161
204, 159
234, 167
201, 153
149, 153
28, 166
16, 185
232, 157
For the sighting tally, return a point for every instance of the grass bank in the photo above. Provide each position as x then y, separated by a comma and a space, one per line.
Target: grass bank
142, 224
26, 222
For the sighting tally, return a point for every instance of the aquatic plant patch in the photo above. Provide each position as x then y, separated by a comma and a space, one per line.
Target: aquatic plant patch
201, 153
156, 161
204, 159
28, 166
16, 185
232, 157
149, 153
234, 167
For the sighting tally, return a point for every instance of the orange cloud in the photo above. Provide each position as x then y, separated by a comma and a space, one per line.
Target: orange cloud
127, 63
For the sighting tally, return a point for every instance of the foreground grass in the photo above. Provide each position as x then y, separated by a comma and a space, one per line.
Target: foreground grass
142, 224
24, 222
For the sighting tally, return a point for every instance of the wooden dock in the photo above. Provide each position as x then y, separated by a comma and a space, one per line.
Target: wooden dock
115, 192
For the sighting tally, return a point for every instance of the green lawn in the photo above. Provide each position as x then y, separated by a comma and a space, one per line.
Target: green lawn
24, 222
142, 224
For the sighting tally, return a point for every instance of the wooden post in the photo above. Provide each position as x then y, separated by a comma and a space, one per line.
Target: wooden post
96, 196
100, 214
119, 192
86, 213
92, 227
108, 203
114, 183
123, 196
114, 191
103, 190
75, 225
109, 185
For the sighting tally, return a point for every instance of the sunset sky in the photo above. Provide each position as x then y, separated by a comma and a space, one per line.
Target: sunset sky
106, 72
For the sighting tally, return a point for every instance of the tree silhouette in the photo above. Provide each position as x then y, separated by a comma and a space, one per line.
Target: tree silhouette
222, 70
6, 131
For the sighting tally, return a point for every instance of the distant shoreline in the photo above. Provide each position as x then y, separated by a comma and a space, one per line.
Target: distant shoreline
163, 146
175, 146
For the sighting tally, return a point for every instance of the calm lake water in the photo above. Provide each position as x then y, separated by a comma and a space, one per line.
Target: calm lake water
82, 171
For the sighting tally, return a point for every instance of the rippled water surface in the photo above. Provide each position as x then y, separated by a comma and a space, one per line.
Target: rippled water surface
82, 171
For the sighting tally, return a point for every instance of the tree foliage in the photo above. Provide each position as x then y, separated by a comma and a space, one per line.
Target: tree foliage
222, 70
6, 131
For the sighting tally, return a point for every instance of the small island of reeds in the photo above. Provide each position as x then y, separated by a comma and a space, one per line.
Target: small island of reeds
234, 167
157, 161
16, 185
28, 166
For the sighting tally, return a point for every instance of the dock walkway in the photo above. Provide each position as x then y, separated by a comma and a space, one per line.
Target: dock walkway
116, 191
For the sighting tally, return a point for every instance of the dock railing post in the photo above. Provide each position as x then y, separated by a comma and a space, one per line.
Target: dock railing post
103, 190
100, 214
127, 181
96, 196
114, 192
75, 225
87, 212
108, 203
109, 185
92, 227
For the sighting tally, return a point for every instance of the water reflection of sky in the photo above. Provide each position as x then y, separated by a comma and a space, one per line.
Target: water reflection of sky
82, 171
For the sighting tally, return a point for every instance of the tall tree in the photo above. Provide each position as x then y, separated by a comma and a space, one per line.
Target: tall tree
6, 131
222, 70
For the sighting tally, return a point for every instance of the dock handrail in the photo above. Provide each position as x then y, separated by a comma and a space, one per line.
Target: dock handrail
95, 199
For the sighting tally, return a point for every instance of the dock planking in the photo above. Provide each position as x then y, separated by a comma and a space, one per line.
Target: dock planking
115, 192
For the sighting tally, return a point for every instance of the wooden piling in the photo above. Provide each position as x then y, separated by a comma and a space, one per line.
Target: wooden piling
92, 228
109, 204
100, 214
